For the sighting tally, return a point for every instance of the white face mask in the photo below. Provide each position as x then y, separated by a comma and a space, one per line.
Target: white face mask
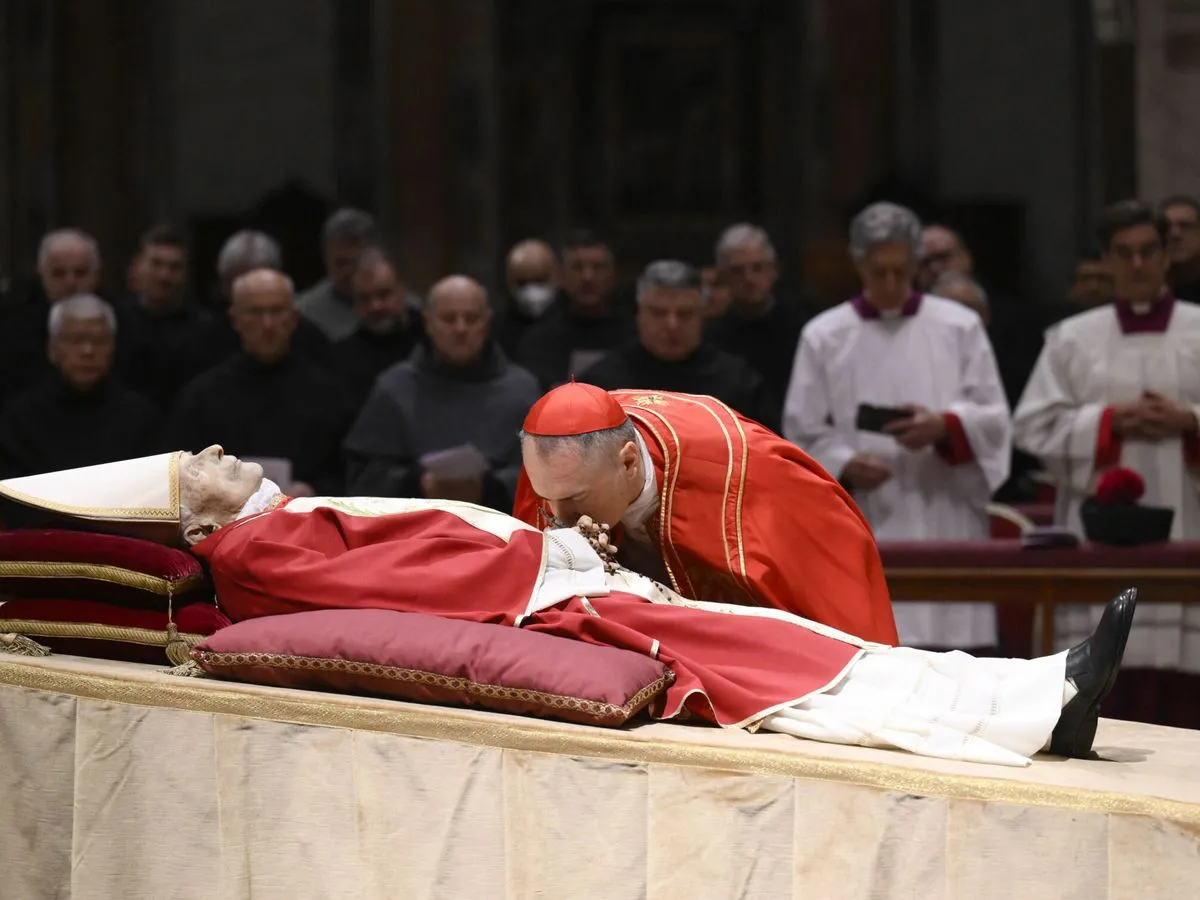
533, 298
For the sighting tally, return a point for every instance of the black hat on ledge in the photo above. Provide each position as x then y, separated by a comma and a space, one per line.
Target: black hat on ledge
1113, 515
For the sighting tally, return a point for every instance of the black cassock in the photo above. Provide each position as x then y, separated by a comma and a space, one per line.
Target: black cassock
54, 426
362, 356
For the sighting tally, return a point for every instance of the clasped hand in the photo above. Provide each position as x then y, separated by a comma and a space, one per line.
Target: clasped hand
921, 429
1153, 418
468, 490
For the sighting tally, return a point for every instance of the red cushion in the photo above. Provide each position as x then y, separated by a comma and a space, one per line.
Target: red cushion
428, 659
107, 631
85, 565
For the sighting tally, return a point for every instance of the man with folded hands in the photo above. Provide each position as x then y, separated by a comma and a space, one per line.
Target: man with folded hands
737, 667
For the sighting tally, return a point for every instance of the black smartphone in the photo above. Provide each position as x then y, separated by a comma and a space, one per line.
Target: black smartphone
874, 418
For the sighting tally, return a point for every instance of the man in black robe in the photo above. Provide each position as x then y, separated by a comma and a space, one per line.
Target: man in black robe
531, 276
244, 252
68, 264
163, 341
584, 323
670, 353
79, 415
759, 327
266, 400
457, 391
387, 331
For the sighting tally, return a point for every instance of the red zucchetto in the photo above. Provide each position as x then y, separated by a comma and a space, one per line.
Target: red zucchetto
573, 409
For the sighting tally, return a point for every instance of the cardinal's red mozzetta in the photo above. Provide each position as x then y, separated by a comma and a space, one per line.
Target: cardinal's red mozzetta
744, 516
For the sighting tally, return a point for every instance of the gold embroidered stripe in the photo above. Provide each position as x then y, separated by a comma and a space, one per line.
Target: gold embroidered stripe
93, 572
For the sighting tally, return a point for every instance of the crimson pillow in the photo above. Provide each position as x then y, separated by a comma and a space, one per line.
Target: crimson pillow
428, 659
108, 631
88, 566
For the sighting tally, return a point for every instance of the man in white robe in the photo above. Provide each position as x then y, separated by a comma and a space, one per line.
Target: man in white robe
946, 705
1119, 385
929, 475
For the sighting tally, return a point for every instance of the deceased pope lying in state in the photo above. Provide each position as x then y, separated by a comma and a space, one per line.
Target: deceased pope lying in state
736, 667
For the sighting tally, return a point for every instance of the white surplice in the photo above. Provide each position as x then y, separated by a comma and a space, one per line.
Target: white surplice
939, 358
1089, 363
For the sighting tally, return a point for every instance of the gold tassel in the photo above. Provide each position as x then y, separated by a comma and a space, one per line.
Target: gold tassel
20, 645
189, 669
179, 651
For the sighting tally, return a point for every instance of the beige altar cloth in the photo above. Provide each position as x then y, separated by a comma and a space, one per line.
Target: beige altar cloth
122, 781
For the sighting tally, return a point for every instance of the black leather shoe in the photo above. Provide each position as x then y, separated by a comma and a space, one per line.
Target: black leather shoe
1092, 666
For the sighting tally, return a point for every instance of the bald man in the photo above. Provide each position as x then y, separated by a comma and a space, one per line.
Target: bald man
443, 423
266, 400
68, 263
531, 275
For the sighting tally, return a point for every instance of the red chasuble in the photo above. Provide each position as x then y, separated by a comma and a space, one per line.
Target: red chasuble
746, 517
729, 669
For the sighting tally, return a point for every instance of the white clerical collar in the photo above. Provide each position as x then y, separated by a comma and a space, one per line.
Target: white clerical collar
646, 504
260, 500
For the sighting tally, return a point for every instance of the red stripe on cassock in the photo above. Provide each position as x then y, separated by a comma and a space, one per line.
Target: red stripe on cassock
1108, 442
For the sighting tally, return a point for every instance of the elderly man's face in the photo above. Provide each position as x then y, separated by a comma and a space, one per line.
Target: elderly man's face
214, 487
379, 299
82, 351
1183, 241
341, 259
265, 319
750, 273
670, 322
1138, 262
941, 252
601, 483
887, 275
69, 269
588, 275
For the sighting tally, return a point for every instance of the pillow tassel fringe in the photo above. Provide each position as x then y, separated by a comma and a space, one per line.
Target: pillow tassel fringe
21, 645
189, 669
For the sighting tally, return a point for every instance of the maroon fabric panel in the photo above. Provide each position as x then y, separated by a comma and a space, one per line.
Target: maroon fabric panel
429, 659
54, 545
130, 555
1009, 554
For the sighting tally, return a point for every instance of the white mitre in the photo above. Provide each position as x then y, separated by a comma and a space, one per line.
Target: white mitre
138, 497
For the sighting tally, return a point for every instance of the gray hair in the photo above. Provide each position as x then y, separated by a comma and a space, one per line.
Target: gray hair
884, 223
248, 250
587, 444
951, 280
283, 275
741, 235
348, 225
667, 273
81, 306
46, 247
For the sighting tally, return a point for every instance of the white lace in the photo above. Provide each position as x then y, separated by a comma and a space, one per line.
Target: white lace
260, 499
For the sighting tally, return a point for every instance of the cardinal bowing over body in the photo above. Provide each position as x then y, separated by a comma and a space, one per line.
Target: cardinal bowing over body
705, 500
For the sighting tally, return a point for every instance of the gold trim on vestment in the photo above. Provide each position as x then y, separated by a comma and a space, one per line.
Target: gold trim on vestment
93, 572
666, 493
624, 745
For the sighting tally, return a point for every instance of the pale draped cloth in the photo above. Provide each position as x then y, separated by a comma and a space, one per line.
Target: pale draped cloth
939, 358
945, 705
1088, 364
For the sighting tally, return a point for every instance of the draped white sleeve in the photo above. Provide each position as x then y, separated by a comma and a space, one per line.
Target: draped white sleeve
1052, 421
983, 409
808, 418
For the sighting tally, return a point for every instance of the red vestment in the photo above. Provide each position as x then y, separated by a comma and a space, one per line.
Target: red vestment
729, 669
747, 517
